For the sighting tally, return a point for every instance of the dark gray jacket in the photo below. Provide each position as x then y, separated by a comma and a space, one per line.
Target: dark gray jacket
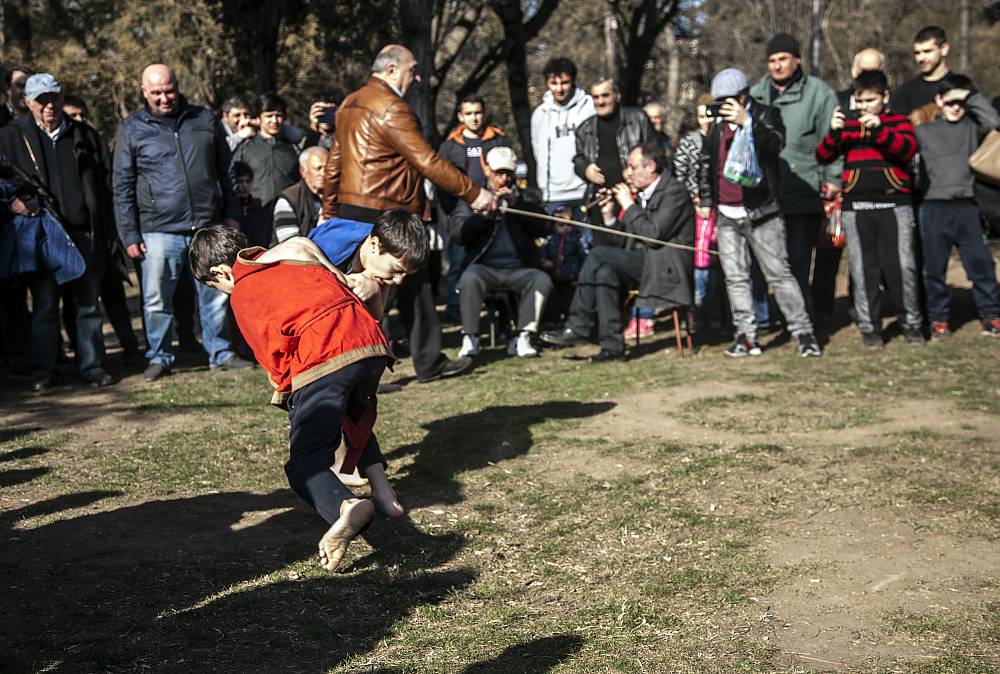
275, 166
667, 272
635, 129
171, 181
945, 148
476, 231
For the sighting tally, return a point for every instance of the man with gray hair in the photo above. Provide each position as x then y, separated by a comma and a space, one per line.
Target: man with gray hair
376, 162
603, 142
296, 210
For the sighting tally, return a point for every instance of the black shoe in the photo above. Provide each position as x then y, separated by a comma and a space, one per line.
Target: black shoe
604, 356
155, 371
100, 379
914, 336
42, 384
744, 346
236, 363
189, 345
134, 360
872, 340
387, 388
560, 338
808, 346
451, 368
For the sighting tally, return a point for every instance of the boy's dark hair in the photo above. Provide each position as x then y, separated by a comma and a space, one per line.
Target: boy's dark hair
558, 66
472, 98
243, 169
8, 76
76, 102
235, 102
870, 80
403, 235
652, 152
935, 33
955, 81
271, 102
212, 246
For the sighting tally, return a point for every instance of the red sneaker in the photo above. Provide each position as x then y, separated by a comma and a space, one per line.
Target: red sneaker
991, 327
940, 330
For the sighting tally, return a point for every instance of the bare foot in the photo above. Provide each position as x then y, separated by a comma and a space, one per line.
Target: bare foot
354, 515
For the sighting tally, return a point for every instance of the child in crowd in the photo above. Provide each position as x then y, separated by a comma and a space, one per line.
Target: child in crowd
255, 221
563, 256
707, 273
315, 331
949, 216
877, 146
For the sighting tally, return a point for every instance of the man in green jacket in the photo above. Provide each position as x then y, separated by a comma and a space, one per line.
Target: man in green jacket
806, 104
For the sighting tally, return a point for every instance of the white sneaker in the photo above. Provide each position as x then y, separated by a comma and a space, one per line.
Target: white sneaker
524, 348
470, 346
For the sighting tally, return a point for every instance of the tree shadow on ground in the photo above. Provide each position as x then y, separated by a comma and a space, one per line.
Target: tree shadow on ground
466, 442
537, 656
174, 585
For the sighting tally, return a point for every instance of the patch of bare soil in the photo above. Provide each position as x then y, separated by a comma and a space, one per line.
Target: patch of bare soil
853, 569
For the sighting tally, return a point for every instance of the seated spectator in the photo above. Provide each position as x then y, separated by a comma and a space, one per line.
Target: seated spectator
500, 254
255, 221
563, 256
296, 210
659, 208
877, 146
749, 217
950, 216
272, 158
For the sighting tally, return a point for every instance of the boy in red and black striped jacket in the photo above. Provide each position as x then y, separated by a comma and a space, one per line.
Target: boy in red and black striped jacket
877, 146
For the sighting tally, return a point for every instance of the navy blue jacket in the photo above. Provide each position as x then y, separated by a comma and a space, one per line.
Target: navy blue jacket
171, 181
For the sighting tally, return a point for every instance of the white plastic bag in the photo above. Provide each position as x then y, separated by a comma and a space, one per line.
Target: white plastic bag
741, 166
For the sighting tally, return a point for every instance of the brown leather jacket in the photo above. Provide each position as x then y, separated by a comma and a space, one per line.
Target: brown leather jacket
379, 155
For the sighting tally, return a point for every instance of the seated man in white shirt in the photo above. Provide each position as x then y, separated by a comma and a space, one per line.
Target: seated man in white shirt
296, 210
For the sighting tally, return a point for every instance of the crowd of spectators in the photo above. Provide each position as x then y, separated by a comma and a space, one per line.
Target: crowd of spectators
889, 165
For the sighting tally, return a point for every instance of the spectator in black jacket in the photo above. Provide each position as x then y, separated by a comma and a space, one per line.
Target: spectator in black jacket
273, 160
500, 254
750, 217
603, 143
172, 176
465, 148
71, 161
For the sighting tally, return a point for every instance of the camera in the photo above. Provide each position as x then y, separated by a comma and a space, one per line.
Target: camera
712, 109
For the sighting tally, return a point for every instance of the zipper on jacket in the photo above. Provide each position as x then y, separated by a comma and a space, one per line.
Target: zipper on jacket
187, 181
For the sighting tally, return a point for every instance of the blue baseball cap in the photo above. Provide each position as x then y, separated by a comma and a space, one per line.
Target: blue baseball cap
39, 84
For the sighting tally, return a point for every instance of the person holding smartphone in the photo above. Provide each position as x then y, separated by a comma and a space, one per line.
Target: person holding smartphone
322, 121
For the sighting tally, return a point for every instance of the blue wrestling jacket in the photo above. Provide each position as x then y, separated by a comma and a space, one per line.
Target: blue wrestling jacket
339, 240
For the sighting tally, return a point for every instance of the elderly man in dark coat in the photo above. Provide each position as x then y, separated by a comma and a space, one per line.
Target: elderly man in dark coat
653, 204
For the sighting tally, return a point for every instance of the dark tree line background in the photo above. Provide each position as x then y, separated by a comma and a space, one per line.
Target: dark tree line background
663, 50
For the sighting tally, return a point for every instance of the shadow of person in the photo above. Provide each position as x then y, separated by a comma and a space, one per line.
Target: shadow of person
202, 584
465, 442
533, 657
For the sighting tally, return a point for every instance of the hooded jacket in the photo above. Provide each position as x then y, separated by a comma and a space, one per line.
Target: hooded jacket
806, 107
453, 151
553, 140
171, 181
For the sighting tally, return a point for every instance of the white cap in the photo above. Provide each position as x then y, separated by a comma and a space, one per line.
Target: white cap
502, 159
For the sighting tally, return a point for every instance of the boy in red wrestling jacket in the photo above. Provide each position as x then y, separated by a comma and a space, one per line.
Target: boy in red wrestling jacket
877, 145
316, 332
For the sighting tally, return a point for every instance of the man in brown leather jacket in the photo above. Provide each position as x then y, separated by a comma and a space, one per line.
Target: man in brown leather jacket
378, 160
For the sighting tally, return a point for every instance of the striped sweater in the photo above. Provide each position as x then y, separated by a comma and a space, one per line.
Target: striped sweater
876, 161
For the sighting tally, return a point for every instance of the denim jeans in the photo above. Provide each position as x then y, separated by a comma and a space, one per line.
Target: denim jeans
166, 256
767, 240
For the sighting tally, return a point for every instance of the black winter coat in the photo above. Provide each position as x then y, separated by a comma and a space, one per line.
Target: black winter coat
764, 200
172, 181
476, 232
635, 129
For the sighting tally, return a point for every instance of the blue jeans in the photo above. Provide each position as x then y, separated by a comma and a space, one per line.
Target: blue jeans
166, 256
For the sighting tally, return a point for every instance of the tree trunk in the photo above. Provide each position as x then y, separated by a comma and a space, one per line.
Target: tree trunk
964, 40
673, 69
610, 43
417, 18
16, 34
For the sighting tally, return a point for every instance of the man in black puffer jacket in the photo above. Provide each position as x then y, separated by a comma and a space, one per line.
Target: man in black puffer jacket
172, 176
750, 216
602, 146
